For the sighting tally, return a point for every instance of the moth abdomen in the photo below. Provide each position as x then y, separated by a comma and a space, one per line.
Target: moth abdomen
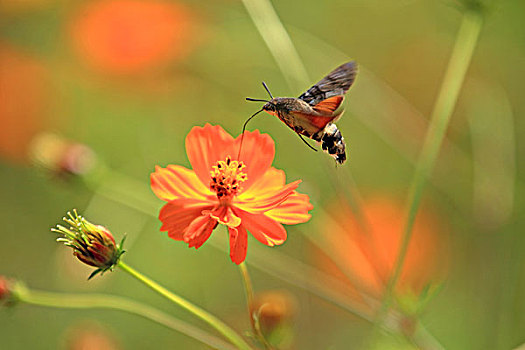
333, 143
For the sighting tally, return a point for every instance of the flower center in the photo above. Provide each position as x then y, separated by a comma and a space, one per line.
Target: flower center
227, 177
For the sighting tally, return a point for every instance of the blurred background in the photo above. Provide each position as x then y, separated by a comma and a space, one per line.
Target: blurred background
94, 94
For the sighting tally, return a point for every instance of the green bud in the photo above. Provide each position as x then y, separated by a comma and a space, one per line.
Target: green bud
94, 245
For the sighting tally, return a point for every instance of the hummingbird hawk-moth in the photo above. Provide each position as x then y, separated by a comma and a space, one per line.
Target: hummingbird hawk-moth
314, 113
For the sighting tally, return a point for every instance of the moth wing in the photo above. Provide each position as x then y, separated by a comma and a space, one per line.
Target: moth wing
329, 106
312, 124
334, 84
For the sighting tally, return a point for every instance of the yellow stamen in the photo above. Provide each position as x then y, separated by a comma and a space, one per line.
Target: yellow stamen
227, 177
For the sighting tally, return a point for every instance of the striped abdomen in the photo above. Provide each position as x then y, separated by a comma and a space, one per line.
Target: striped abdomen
332, 142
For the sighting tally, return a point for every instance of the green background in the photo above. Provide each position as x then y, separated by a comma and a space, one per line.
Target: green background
136, 122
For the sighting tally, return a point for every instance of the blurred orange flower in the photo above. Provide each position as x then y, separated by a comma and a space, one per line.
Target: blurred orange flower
61, 157
245, 194
24, 102
368, 256
90, 335
132, 36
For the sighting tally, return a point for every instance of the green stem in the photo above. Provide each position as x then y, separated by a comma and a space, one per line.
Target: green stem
459, 62
101, 301
247, 281
278, 42
248, 287
213, 321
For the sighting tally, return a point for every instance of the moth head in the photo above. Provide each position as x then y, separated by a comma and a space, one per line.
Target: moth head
270, 106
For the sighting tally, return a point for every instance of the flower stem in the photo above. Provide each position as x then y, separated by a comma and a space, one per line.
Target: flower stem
278, 42
247, 283
213, 321
459, 62
101, 301
248, 287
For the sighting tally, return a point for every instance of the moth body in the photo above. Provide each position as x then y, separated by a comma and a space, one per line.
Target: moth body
287, 109
314, 113
332, 142
291, 111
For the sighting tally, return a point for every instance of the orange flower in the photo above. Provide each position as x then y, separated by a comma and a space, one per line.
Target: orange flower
369, 256
132, 36
245, 194
25, 92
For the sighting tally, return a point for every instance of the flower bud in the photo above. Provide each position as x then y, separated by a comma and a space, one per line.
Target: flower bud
92, 244
10, 289
272, 313
408, 325
87, 334
5, 291
61, 157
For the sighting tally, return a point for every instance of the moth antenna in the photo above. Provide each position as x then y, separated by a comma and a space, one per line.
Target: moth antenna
259, 100
306, 143
255, 100
242, 133
267, 90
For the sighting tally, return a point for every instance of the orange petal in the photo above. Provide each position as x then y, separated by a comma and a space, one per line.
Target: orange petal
205, 146
225, 216
258, 151
261, 201
177, 215
175, 182
272, 178
199, 231
294, 210
238, 244
264, 229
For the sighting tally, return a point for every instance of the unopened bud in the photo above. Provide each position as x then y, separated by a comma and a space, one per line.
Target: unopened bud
272, 312
61, 156
408, 325
10, 289
92, 244
88, 335
5, 291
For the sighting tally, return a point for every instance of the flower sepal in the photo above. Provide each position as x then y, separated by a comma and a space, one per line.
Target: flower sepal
92, 244
119, 252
